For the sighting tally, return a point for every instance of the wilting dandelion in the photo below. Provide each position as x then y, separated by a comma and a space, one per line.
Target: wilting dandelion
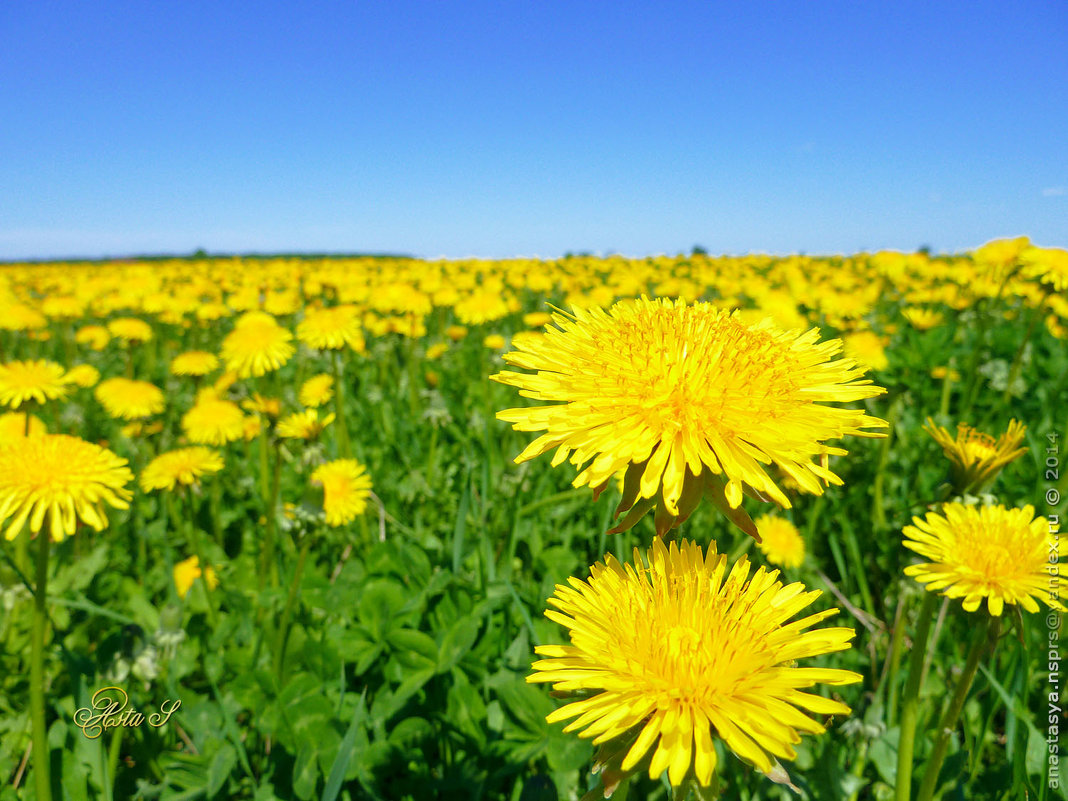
687, 399
977, 458
680, 649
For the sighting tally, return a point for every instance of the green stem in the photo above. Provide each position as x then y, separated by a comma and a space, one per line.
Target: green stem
194, 542
1017, 359
985, 637
291, 601
41, 768
343, 445
910, 705
878, 513
113, 760
897, 642
947, 385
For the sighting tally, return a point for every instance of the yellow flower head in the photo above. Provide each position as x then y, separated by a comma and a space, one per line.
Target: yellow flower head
494, 342
780, 541
866, 348
257, 345
688, 400
303, 425
922, 318
184, 466
977, 458
680, 649
39, 380
271, 407
141, 429
456, 332
346, 488
82, 375
187, 571
130, 330
331, 328
63, 477
316, 391
989, 552
95, 336
436, 351
1048, 265
128, 399
194, 362
213, 421
537, 319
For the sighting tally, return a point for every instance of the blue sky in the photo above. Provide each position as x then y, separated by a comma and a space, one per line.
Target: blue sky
498, 129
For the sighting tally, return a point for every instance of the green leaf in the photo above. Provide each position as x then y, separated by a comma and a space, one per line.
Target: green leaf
457, 641
222, 765
415, 649
346, 751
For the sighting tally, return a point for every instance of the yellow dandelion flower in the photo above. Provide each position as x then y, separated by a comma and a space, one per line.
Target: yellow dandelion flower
187, 571
13, 426
436, 351
537, 319
213, 421
866, 348
252, 427
38, 380
257, 345
780, 541
977, 458
272, 407
331, 328
303, 425
943, 371
63, 477
82, 375
494, 342
922, 319
95, 336
456, 332
316, 391
130, 330
989, 552
194, 362
129, 399
183, 466
346, 488
19, 317
678, 649
688, 400
139, 428
1048, 265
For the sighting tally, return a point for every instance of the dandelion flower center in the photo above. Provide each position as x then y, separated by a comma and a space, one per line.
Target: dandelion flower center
685, 388
986, 552
36, 380
683, 648
63, 477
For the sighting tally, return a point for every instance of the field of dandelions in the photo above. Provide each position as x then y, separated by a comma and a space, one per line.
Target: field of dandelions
397, 529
